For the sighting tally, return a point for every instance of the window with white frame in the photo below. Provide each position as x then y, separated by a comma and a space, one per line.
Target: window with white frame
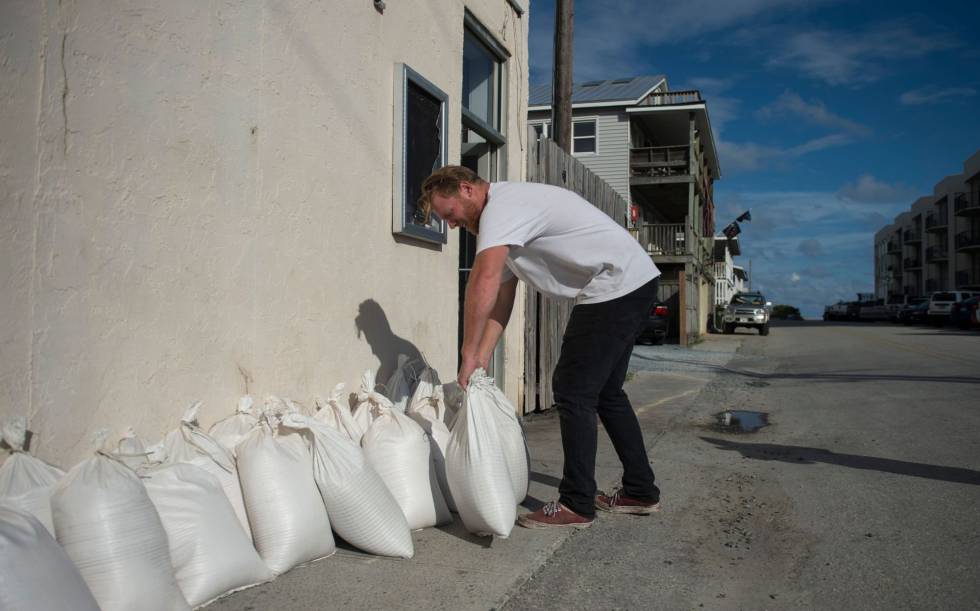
420, 146
584, 136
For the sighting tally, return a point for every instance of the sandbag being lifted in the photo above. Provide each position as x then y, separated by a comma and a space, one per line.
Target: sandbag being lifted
288, 519
35, 572
361, 508
26, 482
109, 528
476, 464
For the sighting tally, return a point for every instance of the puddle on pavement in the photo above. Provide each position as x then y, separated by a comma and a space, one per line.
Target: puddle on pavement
741, 421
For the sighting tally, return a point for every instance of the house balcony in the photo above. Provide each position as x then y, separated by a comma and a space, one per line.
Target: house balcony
968, 241
937, 221
911, 237
911, 264
671, 98
964, 206
894, 248
668, 242
653, 165
936, 254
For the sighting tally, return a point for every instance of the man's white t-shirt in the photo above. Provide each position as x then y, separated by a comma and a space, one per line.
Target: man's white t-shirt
562, 245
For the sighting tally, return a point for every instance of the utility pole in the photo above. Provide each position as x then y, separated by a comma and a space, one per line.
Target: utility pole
561, 83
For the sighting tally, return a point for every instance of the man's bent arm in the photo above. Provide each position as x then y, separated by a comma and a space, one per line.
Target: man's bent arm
481, 297
499, 316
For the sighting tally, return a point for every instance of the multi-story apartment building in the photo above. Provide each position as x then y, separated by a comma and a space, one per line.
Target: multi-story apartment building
935, 245
656, 148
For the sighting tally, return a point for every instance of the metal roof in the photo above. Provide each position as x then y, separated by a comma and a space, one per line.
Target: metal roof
626, 90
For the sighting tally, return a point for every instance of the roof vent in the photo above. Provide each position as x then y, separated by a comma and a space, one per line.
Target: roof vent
591, 84
622, 81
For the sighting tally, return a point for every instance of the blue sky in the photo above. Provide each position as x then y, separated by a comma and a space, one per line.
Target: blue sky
831, 116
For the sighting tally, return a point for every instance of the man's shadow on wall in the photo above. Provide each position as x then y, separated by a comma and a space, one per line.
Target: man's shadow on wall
372, 322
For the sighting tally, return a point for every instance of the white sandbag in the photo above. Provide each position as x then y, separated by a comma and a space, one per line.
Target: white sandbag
477, 468
232, 430
335, 412
210, 552
511, 432
131, 450
35, 572
402, 382
361, 508
109, 528
366, 410
398, 449
428, 409
190, 444
288, 519
26, 482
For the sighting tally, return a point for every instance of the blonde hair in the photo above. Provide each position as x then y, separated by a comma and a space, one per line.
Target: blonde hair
445, 181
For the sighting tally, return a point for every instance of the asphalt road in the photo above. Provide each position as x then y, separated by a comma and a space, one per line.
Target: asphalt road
862, 493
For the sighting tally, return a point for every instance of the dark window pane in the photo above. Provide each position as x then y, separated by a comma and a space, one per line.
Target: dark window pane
583, 145
423, 145
584, 128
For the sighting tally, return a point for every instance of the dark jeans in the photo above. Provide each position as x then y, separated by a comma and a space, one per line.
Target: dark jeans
588, 382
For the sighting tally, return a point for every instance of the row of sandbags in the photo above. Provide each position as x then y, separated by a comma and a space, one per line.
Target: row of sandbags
180, 531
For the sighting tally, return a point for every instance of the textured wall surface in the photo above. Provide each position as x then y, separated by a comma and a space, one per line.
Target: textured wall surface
191, 190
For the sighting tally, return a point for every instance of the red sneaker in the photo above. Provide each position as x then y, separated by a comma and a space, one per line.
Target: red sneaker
554, 515
617, 502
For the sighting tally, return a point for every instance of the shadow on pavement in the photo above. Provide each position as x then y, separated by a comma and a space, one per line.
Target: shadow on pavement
810, 456
828, 377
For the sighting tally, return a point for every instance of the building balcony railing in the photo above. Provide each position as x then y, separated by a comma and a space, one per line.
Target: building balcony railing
911, 263
660, 161
937, 221
963, 206
664, 239
911, 237
669, 98
935, 254
968, 241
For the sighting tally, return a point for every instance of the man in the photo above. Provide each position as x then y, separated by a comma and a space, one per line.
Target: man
564, 247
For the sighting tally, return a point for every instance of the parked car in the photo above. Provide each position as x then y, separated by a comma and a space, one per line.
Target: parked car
914, 314
941, 301
658, 322
963, 313
871, 311
747, 310
896, 303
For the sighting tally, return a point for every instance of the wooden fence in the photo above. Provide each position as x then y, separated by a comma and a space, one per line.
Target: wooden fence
546, 317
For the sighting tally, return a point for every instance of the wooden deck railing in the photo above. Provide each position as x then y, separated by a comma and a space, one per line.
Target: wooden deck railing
664, 238
660, 160
687, 96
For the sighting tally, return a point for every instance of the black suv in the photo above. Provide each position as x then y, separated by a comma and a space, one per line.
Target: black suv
655, 331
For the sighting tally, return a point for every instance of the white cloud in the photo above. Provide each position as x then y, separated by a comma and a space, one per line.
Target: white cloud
794, 278
928, 95
857, 58
739, 157
870, 190
790, 103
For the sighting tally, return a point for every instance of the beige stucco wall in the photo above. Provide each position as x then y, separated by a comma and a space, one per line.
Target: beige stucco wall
190, 190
